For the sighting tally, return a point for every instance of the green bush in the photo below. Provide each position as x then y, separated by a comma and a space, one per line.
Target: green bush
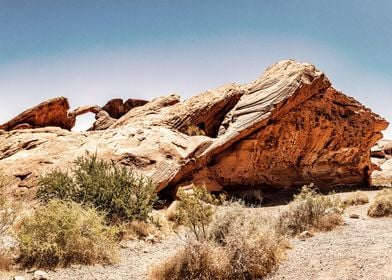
109, 187
62, 233
57, 185
311, 211
195, 210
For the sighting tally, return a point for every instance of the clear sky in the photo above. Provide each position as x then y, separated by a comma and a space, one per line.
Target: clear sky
92, 51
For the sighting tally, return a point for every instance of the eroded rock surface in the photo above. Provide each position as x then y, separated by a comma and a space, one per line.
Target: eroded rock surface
286, 129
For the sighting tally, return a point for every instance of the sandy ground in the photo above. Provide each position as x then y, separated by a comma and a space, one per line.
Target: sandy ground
137, 257
361, 249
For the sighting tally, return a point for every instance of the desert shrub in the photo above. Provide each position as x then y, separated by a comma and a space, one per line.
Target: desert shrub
195, 210
57, 185
238, 246
329, 221
311, 211
382, 204
225, 221
115, 189
356, 198
251, 241
203, 261
62, 233
8, 213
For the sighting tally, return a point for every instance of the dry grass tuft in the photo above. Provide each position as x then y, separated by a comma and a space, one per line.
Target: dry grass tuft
202, 261
329, 222
253, 246
382, 204
356, 198
138, 229
311, 211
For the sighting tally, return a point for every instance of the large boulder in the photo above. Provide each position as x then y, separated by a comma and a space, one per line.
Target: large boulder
286, 129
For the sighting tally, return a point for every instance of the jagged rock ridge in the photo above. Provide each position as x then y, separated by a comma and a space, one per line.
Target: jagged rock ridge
289, 127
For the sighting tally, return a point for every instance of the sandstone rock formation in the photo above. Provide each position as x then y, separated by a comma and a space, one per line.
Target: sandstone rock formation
382, 158
286, 129
53, 112
116, 108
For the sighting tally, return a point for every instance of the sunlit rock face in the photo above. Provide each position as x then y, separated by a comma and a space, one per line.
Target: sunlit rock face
325, 140
288, 128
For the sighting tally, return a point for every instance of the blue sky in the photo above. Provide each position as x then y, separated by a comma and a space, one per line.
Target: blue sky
91, 51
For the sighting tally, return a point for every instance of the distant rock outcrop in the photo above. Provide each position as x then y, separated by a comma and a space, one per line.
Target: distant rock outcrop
53, 112
286, 129
116, 108
382, 157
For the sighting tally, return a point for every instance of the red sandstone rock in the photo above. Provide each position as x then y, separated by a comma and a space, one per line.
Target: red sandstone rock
53, 112
286, 129
116, 108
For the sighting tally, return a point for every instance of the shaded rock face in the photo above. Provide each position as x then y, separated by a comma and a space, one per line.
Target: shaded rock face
286, 129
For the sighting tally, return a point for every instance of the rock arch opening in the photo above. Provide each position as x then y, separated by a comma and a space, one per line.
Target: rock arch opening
84, 122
